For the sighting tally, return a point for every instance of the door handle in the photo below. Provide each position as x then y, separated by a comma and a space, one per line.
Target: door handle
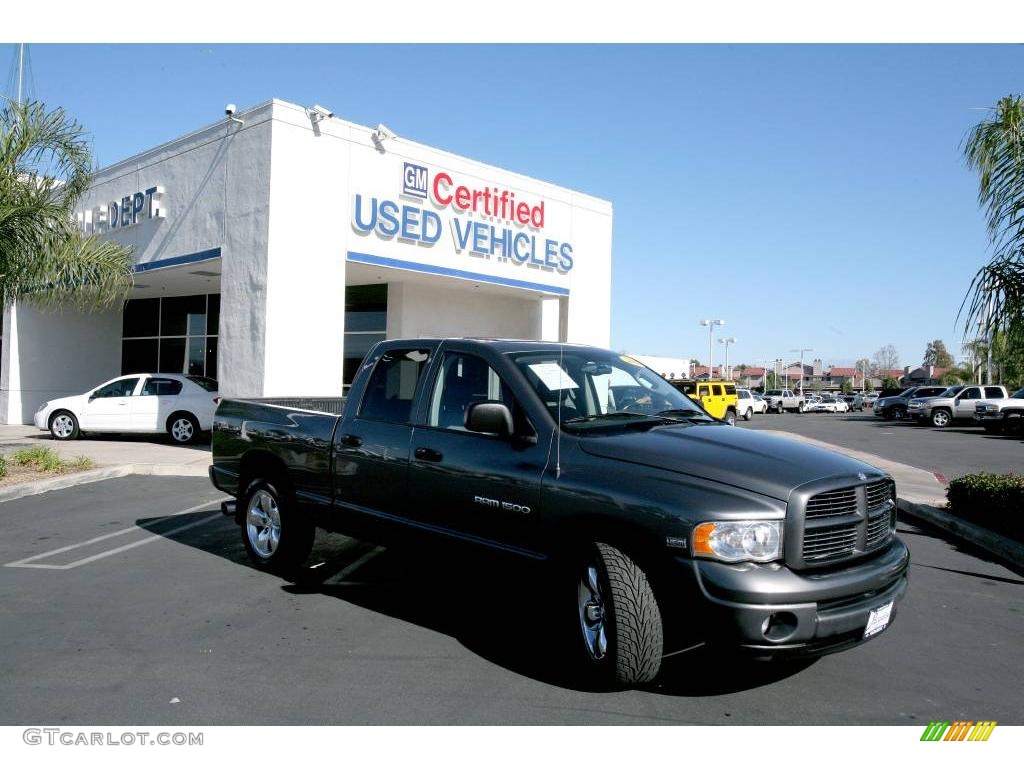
428, 454
351, 441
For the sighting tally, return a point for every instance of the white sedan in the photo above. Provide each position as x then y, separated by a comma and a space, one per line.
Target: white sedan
831, 405
182, 406
747, 405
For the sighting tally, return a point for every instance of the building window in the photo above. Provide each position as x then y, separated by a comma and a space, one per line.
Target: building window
177, 334
366, 321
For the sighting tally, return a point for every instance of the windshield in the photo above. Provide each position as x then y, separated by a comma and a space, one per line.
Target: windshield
951, 391
602, 388
1018, 394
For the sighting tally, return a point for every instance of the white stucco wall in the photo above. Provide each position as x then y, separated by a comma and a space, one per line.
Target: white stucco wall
50, 354
439, 311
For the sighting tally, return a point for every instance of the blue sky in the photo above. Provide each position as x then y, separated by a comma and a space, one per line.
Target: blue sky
812, 196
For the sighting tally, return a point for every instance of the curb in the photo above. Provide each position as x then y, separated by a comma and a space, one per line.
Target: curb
1003, 547
95, 475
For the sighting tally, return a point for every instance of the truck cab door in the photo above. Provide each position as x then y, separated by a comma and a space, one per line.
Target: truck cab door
371, 447
469, 483
704, 398
965, 401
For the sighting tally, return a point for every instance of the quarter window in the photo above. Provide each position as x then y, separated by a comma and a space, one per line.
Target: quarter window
995, 392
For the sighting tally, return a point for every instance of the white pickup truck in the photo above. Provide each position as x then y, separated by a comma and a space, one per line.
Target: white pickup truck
1003, 415
780, 400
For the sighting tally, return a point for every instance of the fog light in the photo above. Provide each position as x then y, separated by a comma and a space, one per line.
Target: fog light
779, 626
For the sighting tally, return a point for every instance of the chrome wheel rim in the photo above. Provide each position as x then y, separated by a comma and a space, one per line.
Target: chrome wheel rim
181, 430
940, 419
590, 599
63, 426
263, 524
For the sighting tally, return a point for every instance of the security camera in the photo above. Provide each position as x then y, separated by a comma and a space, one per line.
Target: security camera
230, 109
322, 111
382, 133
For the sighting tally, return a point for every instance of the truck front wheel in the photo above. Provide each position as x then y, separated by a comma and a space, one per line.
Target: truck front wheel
619, 619
275, 537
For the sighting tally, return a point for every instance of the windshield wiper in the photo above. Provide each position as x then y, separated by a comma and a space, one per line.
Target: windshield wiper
684, 413
613, 415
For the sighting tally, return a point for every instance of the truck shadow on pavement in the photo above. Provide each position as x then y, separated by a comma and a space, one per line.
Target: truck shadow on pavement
500, 609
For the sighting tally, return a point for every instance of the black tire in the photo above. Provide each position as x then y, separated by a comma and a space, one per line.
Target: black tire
183, 428
749, 414
630, 619
941, 417
730, 417
66, 428
899, 413
993, 429
294, 533
779, 408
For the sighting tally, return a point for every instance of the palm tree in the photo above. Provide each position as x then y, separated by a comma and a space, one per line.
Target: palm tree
995, 150
44, 258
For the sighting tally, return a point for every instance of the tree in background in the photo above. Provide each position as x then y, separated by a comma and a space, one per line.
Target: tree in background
847, 386
886, 359
994, 149
936, 354
44, 258
771, 381
890, 383
953, 376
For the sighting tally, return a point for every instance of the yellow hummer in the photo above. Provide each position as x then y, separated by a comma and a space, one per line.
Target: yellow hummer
718, 398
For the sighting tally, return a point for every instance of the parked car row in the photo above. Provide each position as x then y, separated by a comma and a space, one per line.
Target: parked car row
989, 406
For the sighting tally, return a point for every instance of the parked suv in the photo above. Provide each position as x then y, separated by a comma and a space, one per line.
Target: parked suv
1002, 415
747, 405
954, 404
895, 407
780, 400
718, 398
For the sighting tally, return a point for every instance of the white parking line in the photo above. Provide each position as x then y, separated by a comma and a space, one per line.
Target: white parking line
348, 570
29, 562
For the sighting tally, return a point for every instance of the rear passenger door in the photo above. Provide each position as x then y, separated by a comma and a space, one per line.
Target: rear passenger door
154, 404
371, 448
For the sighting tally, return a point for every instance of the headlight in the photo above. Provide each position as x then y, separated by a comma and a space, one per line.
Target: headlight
758, 540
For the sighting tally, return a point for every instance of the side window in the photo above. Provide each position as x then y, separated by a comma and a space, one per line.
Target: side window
463, 380
971, 393
994, 392
119, 388
716, 389
730, 389
161, 387
703, 390
392, 385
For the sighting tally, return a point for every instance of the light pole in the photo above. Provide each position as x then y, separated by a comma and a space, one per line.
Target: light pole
801, 351
710, 325
727, 342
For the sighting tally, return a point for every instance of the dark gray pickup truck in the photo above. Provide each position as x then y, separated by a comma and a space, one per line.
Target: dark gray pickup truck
656, 520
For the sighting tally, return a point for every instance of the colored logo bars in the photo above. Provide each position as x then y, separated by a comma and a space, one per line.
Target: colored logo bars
961, 730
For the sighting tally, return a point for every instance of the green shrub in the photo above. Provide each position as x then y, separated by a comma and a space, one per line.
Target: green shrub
79, 462
993, 501
3, 466
40, 457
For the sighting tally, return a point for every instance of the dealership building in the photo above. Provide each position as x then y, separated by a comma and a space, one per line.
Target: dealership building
274, 247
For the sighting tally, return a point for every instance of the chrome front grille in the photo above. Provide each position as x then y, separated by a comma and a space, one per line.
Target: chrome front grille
832, 503
829, 542
837, 524
877, 494
879, 529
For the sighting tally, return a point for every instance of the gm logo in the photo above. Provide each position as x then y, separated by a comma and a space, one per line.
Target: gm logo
939, 730
414, 180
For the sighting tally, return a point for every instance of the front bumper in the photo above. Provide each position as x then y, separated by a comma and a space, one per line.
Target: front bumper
772, 611
989, 416
40, 420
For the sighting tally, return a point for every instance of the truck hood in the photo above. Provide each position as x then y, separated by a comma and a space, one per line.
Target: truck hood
765, 464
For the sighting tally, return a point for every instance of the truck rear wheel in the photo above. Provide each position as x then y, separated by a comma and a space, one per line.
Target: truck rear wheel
274, 535
730, 417
619, 620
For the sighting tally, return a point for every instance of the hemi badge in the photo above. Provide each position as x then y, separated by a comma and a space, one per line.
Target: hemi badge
675, 542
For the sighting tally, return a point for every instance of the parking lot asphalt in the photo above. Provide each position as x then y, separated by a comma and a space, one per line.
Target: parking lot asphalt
953, 451
112, 613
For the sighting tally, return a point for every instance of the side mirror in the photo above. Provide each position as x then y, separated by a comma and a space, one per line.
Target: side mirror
489, 417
